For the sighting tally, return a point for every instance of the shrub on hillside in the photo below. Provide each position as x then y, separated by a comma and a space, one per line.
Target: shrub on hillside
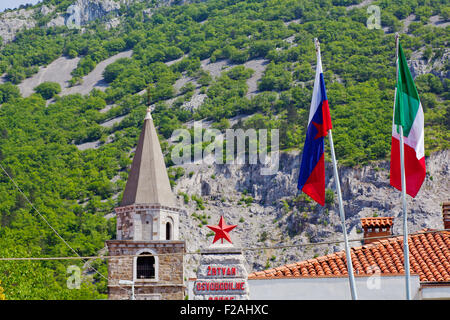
48, 89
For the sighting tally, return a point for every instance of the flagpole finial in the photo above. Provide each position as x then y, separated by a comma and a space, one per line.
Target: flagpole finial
317, 43
397, 37
149, 101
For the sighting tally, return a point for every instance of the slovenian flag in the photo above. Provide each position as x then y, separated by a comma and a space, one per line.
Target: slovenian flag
408, 113
311, 179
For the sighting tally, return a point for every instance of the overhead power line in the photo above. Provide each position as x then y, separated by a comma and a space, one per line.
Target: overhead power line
51, 227
85, 259
197, 252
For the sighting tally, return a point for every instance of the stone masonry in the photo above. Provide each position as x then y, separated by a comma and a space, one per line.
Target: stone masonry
222, 274
168, 283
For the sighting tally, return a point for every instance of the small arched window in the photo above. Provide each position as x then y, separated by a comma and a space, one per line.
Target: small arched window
168, 231
145, 267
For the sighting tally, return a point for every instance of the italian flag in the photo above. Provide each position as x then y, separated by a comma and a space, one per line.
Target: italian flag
408, 112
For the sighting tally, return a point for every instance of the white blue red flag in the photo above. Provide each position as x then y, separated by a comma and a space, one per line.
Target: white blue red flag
311, 179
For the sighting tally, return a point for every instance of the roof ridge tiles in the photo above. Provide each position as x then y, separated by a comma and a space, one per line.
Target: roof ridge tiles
429, 258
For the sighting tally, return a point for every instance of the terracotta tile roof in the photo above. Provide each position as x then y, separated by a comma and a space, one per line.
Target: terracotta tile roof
429, 257
377, 222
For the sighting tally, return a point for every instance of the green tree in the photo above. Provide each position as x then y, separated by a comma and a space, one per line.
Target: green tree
424, 13
48, 89
8, 92
329, 196
276, 78
16, 75
113, 70
2, 295
445, 13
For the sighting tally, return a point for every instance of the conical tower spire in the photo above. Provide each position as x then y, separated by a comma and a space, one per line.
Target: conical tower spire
147, 229
148, 182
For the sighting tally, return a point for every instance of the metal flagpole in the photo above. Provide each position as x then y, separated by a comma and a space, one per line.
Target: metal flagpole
351, 276
342, 215
405, 219
403, 178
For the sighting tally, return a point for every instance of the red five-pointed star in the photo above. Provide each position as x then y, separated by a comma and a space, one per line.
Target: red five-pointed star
321, 132
222, 230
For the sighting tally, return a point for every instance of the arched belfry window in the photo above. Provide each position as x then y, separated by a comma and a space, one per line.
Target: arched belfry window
145, 267
168, 231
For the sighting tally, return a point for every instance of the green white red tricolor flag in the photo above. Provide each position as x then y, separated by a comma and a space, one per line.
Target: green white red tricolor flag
408, 112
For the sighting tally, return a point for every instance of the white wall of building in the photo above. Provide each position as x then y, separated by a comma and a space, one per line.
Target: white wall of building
435, 292
375, 287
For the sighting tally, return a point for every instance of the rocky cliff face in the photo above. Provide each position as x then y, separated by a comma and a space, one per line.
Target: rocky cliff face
85, 11
268, 215
14, 21
80, 13
420, 65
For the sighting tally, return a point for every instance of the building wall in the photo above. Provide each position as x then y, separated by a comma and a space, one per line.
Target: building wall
146, 222
174, 219
124, 225
375, 234
333, 288
169, 281
146, 293
438, 292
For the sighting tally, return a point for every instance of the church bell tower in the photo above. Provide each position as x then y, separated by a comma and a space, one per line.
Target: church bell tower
146, 260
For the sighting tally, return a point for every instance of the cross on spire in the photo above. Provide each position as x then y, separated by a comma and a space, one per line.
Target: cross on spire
149, 114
